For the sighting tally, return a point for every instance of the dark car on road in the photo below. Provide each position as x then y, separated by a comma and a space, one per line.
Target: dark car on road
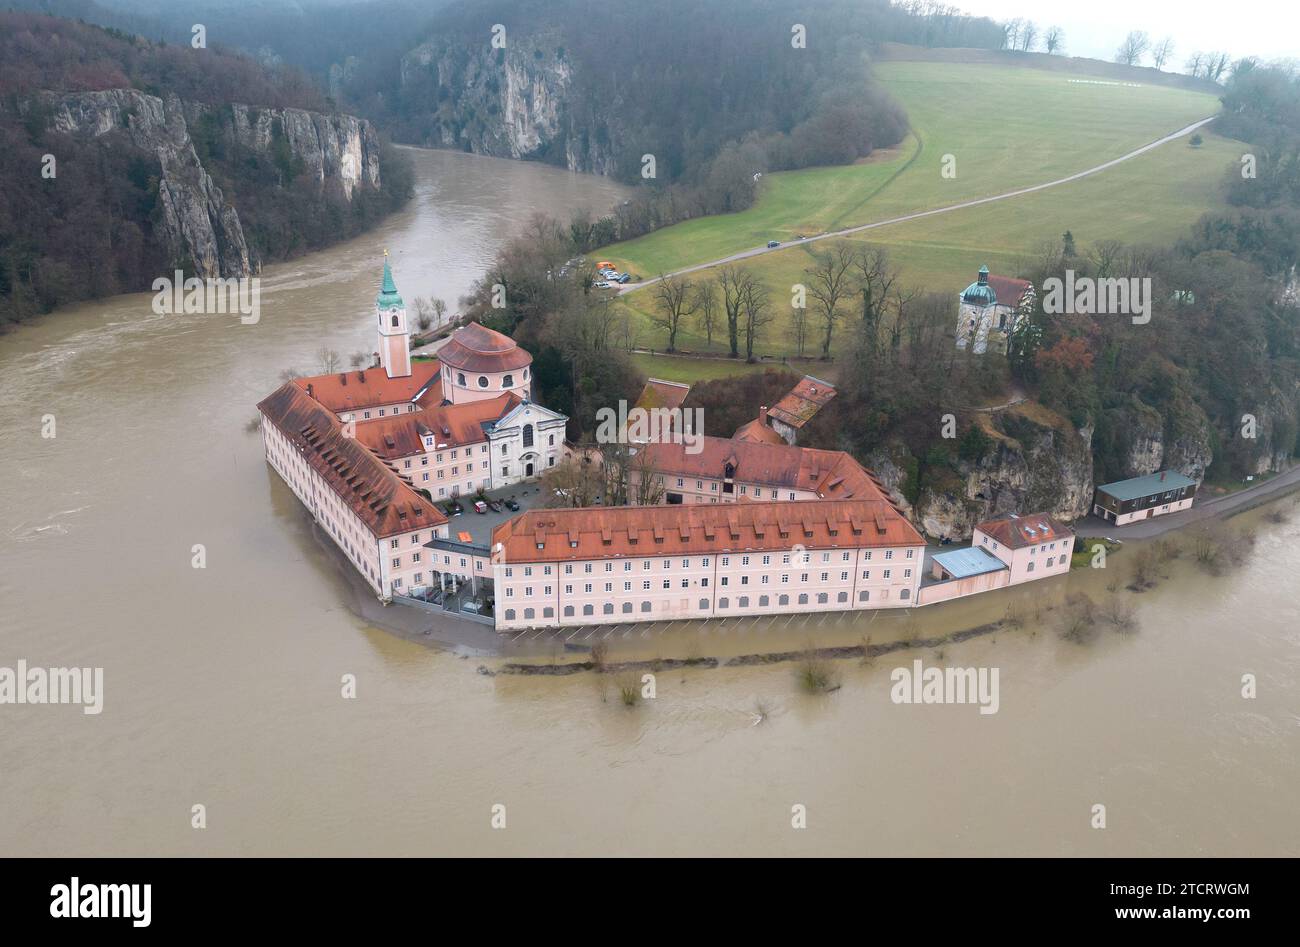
511, 505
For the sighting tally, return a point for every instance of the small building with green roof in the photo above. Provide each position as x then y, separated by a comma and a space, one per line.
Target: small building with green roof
1139, 498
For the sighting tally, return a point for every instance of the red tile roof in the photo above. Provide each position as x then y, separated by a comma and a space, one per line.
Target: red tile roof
1009, 290
658, 393
757, 431
1017, 532
803, 401
373, 490
832, 474
476, 348
637, 531
371, 387
452, 425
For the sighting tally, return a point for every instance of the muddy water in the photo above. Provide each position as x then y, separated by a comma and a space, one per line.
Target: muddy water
222, 685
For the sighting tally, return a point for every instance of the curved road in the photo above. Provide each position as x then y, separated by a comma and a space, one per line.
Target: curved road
758, 251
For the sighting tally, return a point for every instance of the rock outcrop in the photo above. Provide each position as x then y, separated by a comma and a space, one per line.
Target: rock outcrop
199, 226
517, 102
1037, 463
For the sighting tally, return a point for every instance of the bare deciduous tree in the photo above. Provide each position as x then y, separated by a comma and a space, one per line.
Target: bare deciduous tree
1028, 36
676, 301
1133, 48
1054, 41
757, 313
706, 310
735, 284
328, 359
829, 284
1161, 52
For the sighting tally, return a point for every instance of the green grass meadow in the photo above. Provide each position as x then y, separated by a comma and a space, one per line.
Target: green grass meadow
1006, 128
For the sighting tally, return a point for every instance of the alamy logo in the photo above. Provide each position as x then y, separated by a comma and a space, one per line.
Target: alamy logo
935, 685
651, 426
1089, 296
77, 900
211, 297
36, 685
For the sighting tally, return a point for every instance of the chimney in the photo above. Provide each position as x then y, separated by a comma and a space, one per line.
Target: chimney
762, 414
1162, 475
361, 376
309, 394
343, 379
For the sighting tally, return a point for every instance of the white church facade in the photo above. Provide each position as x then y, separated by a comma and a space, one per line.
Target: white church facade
452, 427
989, 310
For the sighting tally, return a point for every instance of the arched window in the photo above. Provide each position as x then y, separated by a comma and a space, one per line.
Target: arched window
510, 614
842, 597
864, 596
704, 603
743, 602
548, 612
645, 606
568, 611
508, 381
906, 593
394, 320
482, 381
588, 610
822, 598
783, 600
762, 601
529, 613
627, 609
528, 435
724, 602
460, 379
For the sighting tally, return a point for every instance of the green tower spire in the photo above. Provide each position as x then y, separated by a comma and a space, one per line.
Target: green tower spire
388, 297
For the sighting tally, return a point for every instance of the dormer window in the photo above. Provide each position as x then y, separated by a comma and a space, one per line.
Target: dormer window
508, 381
460, 379
482, 381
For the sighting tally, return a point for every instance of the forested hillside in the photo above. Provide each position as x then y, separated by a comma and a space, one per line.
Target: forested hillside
122, 158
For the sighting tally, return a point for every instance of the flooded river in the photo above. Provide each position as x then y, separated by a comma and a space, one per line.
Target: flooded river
222, 685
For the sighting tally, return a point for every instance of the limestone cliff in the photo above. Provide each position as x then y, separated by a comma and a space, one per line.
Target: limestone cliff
1036, 463
517, 102
199, 225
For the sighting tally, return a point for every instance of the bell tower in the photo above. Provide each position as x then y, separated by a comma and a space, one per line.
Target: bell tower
394, 337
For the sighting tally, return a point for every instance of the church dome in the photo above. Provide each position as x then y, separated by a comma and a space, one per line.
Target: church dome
980, 293
476, 348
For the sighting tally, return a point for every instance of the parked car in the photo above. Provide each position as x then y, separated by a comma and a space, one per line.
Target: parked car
773, 243
512, 506
625, 278
471, 608
480, 506
494, 506
601, 284
454, 508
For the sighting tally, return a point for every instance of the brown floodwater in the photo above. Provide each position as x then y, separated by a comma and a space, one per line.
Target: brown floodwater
222, 685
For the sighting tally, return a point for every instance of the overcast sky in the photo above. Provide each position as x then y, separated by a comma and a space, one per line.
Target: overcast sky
1266, 28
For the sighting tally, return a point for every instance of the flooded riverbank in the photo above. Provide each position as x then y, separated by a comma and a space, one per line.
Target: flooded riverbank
223, 686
